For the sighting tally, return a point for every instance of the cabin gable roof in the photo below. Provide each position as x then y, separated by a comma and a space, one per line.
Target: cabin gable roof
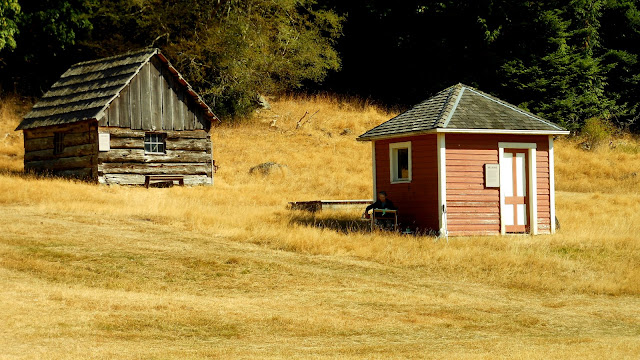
87, 89
461, 108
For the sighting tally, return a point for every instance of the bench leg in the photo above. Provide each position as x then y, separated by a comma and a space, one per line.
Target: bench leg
146, 182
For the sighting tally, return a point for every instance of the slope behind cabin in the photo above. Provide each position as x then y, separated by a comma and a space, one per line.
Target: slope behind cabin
117, 119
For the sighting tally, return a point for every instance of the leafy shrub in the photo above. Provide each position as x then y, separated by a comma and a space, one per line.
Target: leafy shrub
596, 131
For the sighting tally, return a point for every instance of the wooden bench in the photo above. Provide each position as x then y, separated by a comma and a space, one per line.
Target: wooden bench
148, 179
380, 214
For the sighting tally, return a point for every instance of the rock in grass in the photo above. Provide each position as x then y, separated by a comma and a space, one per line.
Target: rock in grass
262, 102
267, 168
346, 132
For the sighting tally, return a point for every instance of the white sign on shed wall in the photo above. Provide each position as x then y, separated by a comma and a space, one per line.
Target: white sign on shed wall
104, 142
491, 175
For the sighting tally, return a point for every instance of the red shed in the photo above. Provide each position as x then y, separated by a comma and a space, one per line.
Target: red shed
466, 163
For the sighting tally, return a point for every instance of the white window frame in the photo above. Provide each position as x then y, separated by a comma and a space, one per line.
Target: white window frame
393, 147
157, 142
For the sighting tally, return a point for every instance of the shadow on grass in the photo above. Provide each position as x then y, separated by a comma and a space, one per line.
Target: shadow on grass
15, 173
348, 223
338, 222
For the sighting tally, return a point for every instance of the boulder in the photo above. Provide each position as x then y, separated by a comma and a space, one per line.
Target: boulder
346, 132
262, 102
267, 168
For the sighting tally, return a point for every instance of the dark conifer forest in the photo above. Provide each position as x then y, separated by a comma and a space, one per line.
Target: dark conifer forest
566, 61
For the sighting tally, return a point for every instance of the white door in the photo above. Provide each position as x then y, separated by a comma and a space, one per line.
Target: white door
513, 185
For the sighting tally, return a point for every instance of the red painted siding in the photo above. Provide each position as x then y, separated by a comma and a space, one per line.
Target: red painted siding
473, 209
418, 200
543, 188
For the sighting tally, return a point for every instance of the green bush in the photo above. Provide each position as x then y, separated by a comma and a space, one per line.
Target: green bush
596, 131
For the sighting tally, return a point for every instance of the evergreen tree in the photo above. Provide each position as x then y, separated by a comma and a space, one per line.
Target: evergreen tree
9, 11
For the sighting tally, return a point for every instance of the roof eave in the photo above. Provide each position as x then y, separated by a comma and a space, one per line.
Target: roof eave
465, 131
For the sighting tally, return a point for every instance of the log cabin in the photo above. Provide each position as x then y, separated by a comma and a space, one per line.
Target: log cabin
120, 120
466, 163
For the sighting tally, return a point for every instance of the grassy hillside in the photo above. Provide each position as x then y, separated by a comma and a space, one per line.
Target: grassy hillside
227, 271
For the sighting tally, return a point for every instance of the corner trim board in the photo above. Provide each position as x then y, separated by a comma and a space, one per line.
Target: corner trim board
442, 184
373, 169
552, 187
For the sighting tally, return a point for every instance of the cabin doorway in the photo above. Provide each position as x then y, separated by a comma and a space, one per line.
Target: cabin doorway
514, 184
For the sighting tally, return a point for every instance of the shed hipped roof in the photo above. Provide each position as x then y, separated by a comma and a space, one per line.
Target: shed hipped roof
461, 108
87, 89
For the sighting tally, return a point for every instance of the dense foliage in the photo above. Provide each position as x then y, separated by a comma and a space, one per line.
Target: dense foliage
565, 60
568, 61
230, 50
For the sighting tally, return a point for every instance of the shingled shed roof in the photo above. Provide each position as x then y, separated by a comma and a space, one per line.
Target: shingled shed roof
459, 108
87, 89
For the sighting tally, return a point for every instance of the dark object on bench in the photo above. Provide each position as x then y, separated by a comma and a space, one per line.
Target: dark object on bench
148, 179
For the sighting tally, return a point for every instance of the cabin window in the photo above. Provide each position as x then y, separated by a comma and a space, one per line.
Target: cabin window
400, 162
58, 143
155, 143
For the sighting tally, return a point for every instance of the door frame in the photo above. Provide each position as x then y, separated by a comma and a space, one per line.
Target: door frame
532, 184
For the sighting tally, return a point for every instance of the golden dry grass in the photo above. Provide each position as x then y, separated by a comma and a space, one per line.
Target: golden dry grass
226, 271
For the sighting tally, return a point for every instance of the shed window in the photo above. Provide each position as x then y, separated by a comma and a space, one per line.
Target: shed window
58, 143
400, 162
155, 143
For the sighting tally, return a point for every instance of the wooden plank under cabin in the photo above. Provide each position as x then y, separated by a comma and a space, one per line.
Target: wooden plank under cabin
145, 96
167, 105
156, 96
124, 107
134, 103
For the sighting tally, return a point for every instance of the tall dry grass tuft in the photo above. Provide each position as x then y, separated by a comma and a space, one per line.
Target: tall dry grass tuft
613, 167
12, 109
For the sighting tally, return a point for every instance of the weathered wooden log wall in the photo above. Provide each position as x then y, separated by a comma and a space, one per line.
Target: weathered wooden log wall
188, 153
78, 158
155, 101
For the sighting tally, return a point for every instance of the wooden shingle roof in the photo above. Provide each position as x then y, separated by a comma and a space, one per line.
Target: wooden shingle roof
459, 108
87, 89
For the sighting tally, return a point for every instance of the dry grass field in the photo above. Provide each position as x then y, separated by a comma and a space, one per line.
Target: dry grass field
90, 271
